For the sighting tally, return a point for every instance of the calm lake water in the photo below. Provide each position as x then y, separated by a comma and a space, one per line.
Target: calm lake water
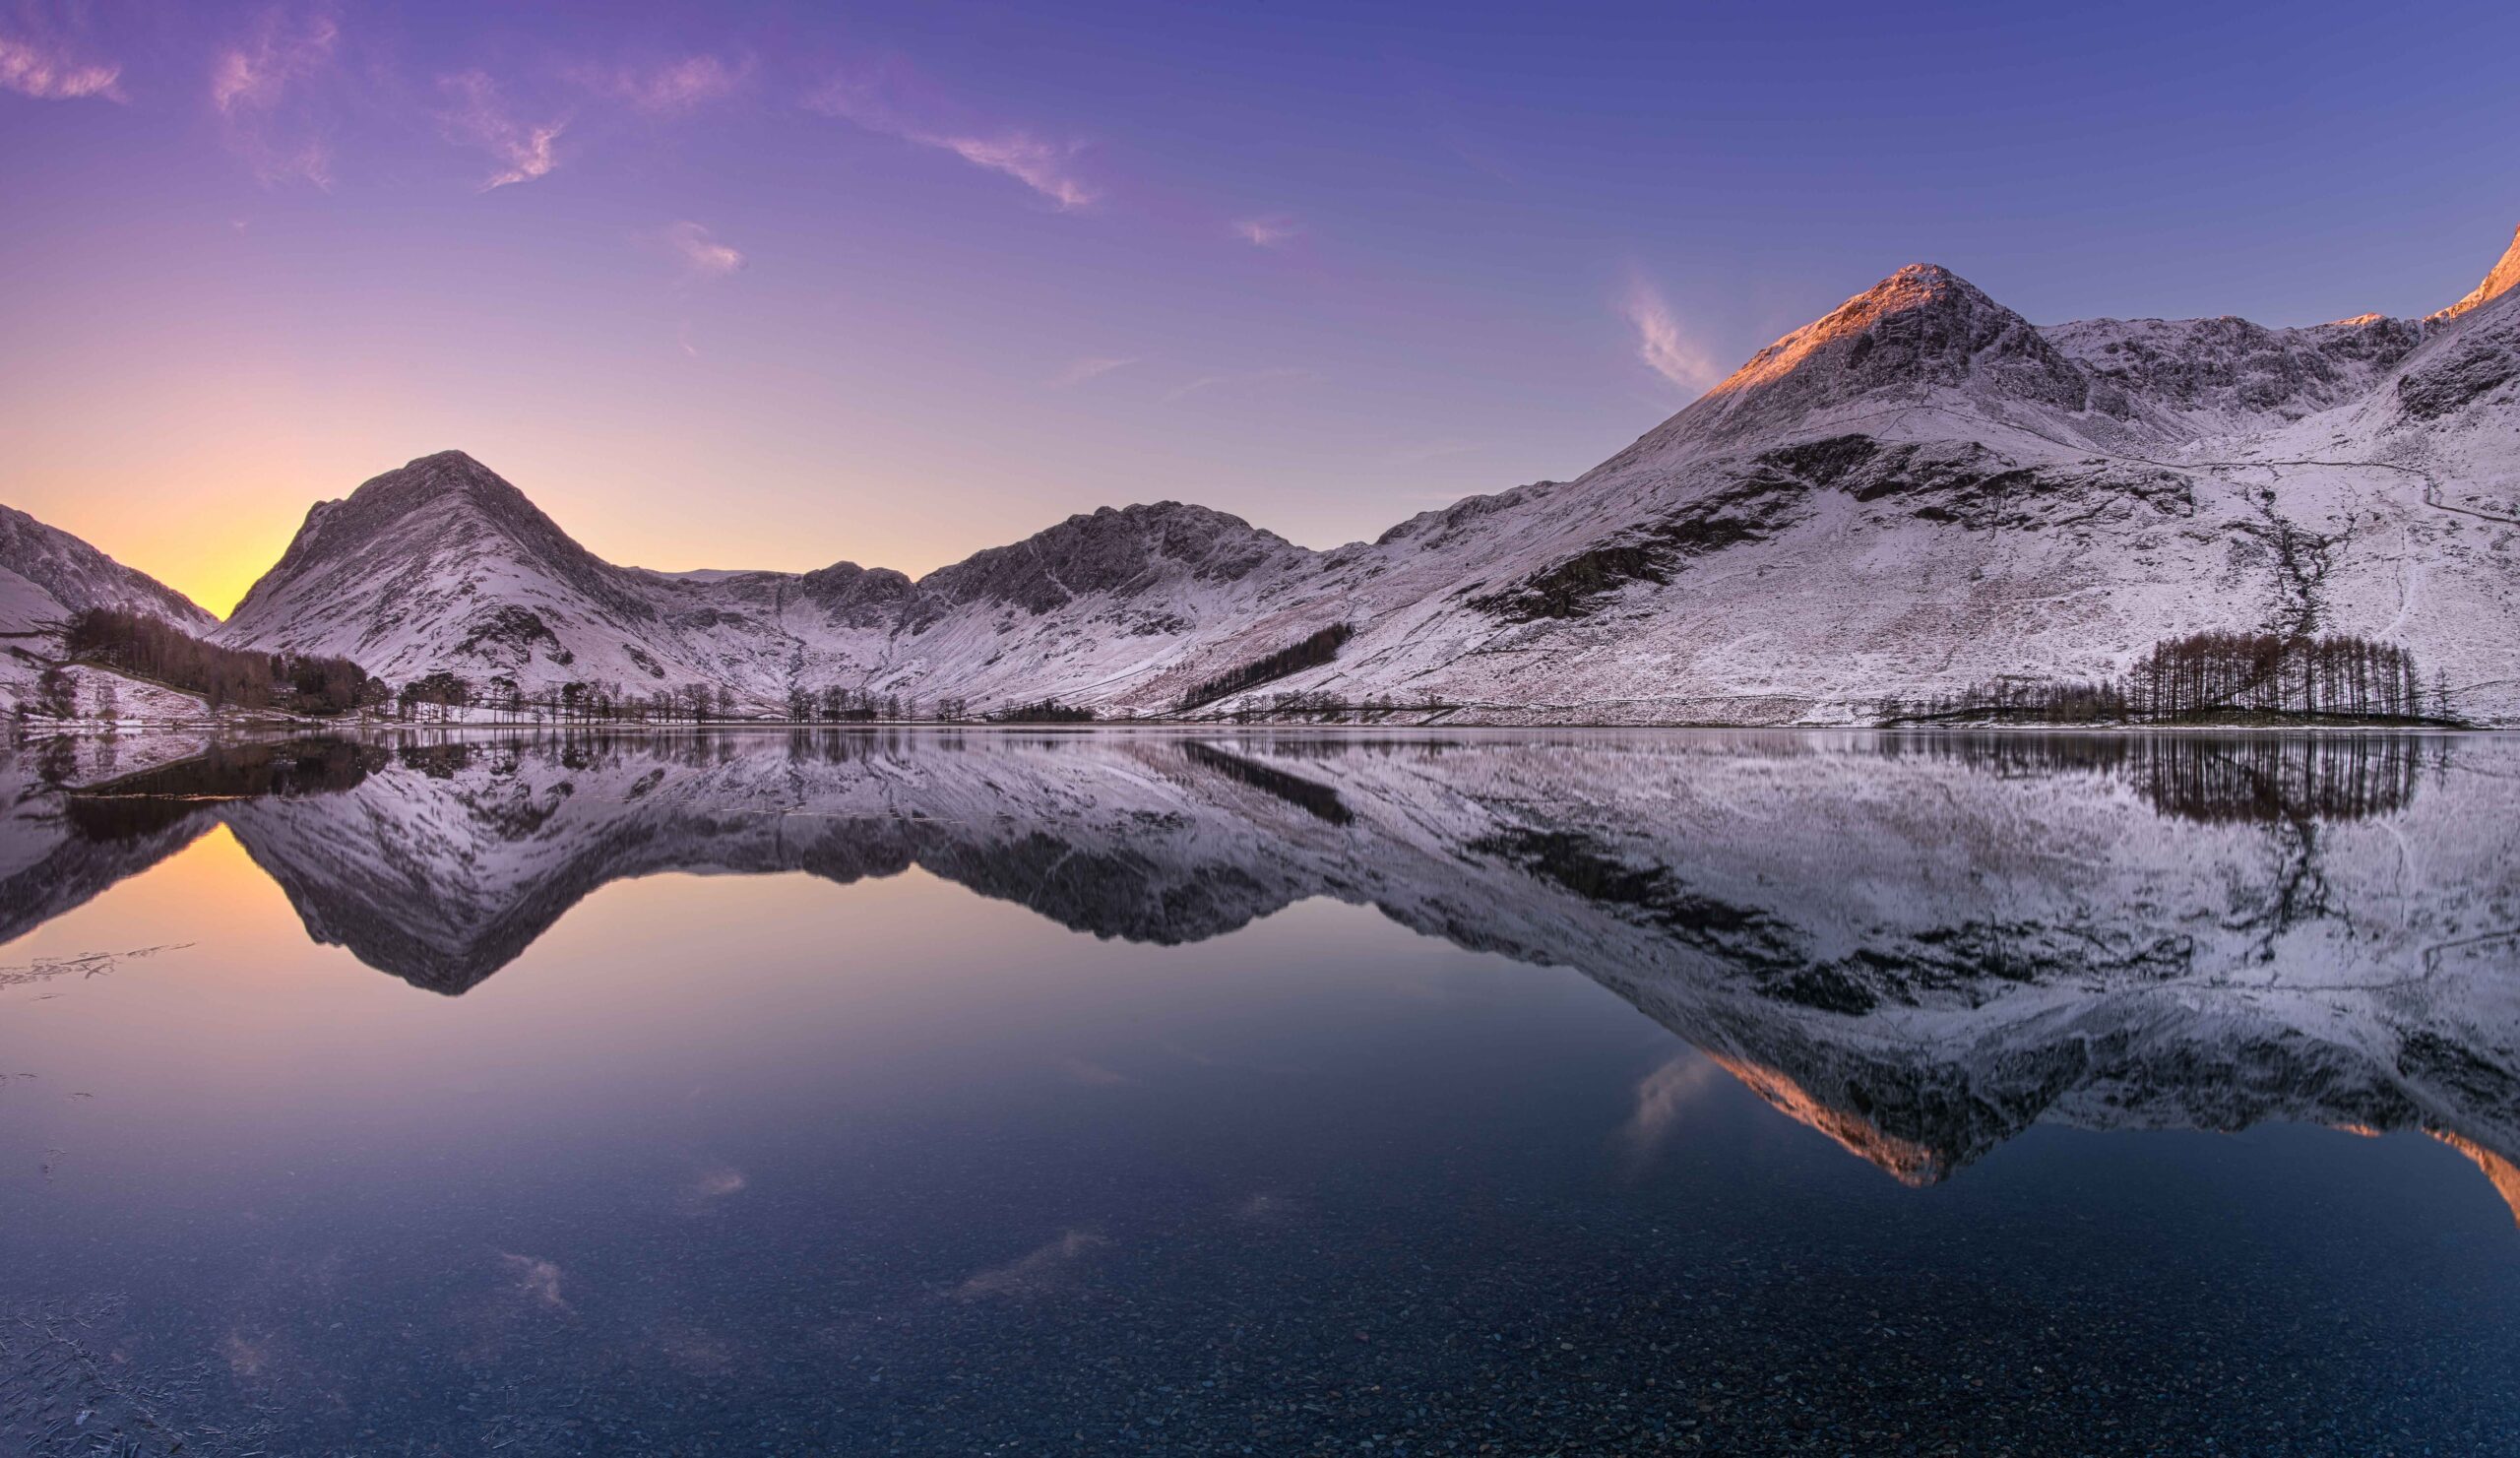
1271, 1092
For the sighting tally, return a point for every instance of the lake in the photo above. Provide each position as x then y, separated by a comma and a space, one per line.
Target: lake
1266, 1092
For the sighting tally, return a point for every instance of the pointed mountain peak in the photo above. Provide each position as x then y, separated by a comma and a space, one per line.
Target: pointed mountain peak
1924, 325
434, 484
1922, 321
2500, 280
1921, 280
442, 513
437, 474
1918, 286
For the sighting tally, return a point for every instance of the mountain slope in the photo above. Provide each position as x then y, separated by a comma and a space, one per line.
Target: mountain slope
1918, 491
46, 574
443, 564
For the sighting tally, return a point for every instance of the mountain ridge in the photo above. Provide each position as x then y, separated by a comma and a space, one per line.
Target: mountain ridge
48, 574
1917, 491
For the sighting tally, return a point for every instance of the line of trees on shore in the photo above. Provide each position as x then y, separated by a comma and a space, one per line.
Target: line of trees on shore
1310, 651
2213, 676
598, 701
440, 694
147, 647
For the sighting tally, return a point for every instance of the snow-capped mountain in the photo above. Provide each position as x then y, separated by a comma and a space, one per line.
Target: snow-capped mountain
1920, 945
1922, 490
1918, 491
46, 575
444, 565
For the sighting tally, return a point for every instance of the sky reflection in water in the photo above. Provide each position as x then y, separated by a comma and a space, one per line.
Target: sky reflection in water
1124, 1093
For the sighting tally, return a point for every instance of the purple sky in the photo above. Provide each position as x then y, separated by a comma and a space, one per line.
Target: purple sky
772, 285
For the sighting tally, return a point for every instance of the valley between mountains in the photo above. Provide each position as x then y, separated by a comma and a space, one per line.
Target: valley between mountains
1913, 498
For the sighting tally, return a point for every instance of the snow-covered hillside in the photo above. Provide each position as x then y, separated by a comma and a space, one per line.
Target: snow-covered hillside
444, 565
46, 574
1919, 491
1922, 492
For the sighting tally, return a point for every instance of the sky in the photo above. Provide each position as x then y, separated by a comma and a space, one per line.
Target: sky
779, 285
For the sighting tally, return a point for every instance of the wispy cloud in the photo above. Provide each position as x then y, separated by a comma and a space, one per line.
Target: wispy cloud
534, 1279
256, 73
1205, 383
717, 1183
1660, 342
1662, 1098
1092, 366
699, 251
673, 88
50, 73
254, 83
1265, 232
892, 102
1042, 1270
477, 117
1038, 165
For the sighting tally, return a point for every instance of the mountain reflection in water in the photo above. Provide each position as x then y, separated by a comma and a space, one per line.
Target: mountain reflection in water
1917, 944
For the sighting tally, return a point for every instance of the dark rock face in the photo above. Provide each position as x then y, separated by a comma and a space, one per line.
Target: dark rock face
2460, 376
1825, 462
507, 635
1121, 552
1977, 488
2230, 364
859, 597
1929, 324
1752, 509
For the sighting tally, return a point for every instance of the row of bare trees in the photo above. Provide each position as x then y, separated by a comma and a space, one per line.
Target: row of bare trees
2213, 676
2336, 674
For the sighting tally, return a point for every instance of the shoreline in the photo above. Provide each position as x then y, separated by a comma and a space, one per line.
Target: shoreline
380, 729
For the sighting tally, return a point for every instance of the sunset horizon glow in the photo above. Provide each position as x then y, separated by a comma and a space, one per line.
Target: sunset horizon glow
758, 288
